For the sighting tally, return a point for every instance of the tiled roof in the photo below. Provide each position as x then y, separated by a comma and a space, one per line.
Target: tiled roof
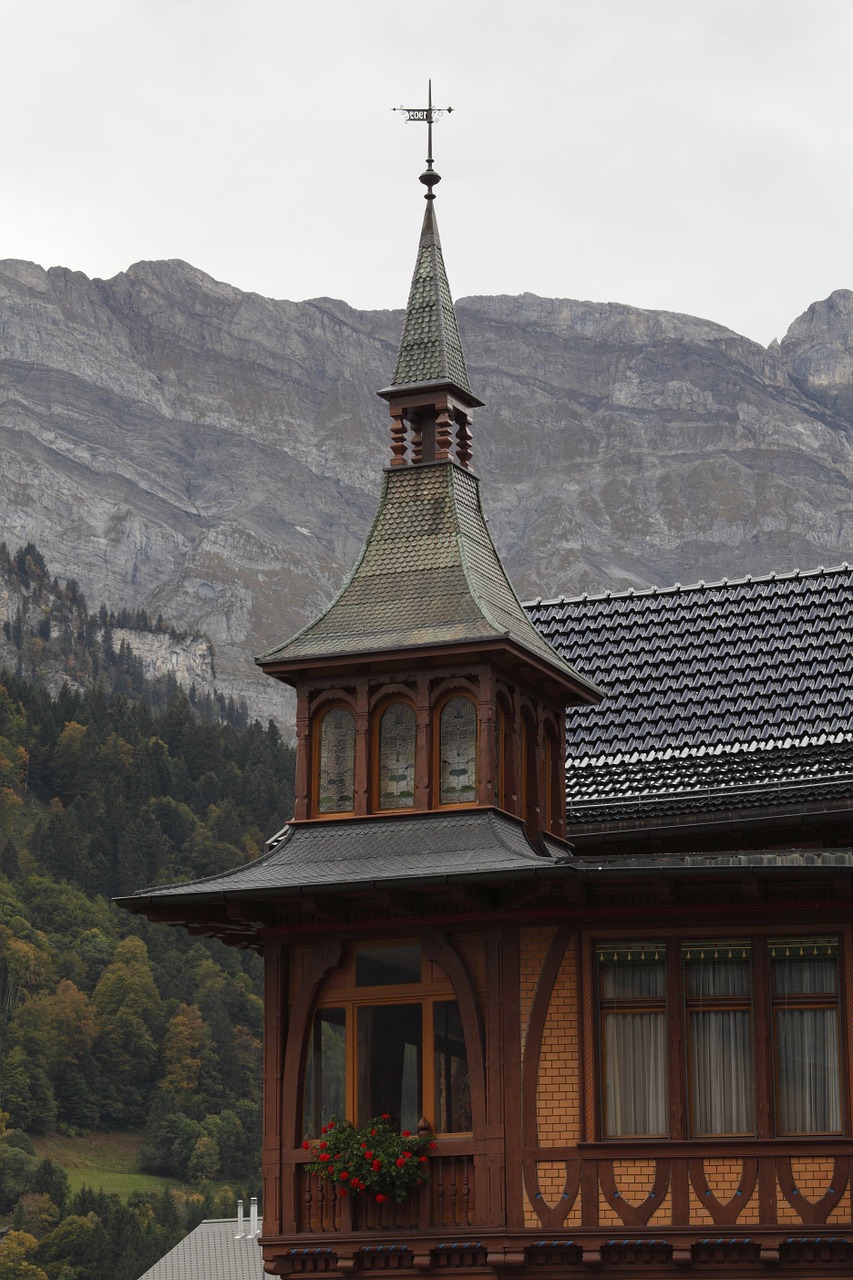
430, 348
211, 1252
719, 695
428, 574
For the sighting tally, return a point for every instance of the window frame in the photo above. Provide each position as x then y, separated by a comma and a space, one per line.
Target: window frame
347, 995
762, 1002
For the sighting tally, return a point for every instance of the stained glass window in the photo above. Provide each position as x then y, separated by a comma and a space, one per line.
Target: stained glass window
458, 757
397, 757
336, 775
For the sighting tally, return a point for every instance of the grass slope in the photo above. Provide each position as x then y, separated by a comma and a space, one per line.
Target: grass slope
102, 1161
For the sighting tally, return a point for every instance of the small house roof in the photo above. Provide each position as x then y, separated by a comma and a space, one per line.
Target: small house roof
213, 1251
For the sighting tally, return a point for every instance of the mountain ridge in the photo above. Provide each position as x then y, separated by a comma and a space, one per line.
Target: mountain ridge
177, 444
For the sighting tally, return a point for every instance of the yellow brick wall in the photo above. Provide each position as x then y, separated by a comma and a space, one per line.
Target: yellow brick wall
723, 1178
842, 1211
812, 1175
558, 1086
634, 1179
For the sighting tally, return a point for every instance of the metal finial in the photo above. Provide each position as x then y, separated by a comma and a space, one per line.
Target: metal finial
426, 115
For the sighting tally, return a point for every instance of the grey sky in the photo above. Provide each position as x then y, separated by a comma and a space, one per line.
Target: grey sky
692, 155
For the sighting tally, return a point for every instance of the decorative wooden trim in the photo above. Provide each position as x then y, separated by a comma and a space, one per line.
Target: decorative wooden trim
487, 783
634, 1215
275, 1032
324, 959
813, 1212
422, 743
728, 1212
304, 768
362, 742
439, 948
511, 981
589, 1047
552, 1217
546, 982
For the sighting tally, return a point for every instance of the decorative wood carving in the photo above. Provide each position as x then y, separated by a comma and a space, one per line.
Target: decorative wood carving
634, 1215
813, 1212
438, 948
728, 1212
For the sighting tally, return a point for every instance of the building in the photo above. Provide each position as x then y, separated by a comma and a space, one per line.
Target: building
633, 1051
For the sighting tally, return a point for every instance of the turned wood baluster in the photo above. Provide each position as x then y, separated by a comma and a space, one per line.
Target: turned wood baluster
398, 438
466, 1192
439, 1190
417, 440
443, 436
454, 1191
308, 1200
463, 443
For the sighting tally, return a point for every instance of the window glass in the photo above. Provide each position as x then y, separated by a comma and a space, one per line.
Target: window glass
458, 752
389, 1063
387, 966
325, 1071
452, 1083
397, 757
336, 773
632, 987
718, 984
805, 1035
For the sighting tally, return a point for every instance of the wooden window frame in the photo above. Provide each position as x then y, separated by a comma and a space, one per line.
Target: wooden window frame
425, 993
763, 1003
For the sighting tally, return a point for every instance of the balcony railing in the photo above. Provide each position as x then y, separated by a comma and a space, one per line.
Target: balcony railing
448, 1201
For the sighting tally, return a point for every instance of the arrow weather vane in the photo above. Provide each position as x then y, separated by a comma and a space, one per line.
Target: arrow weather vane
426, 115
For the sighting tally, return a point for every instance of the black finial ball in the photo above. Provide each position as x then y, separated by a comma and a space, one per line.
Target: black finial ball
429, 178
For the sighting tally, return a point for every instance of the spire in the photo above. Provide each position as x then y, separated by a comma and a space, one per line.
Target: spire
430, 348
430, 397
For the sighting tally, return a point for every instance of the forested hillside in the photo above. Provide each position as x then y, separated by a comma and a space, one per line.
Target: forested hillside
106, 1021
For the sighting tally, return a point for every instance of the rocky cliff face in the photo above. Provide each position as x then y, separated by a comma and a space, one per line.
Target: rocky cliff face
214, 456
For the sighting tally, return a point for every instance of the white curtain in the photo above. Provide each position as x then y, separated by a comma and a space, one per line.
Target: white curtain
807, 1069
721, 1071
720, 1055
635, 1074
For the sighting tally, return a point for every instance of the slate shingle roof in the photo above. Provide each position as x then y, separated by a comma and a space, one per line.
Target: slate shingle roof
211, 1252
430, 348
717, 695
353, 853
428, 574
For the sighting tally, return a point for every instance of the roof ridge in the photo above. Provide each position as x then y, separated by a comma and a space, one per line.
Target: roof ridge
677, 588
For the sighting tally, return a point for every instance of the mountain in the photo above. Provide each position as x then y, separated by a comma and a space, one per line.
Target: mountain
212, 456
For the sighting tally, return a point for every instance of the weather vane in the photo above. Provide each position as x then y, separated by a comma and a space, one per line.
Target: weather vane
426, 115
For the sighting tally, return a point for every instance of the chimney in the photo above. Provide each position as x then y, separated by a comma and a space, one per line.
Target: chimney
253, 1217
241, 1230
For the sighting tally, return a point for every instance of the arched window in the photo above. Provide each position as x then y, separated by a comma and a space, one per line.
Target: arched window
396, 777
336, 762
458, 752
